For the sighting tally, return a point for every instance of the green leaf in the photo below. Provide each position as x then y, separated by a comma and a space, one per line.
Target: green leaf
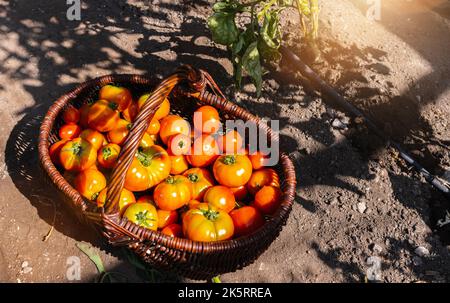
223, 28
252, 65
92, 255
228, 6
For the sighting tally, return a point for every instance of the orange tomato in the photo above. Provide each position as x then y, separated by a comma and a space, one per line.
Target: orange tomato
230, 143
232, 170
108, 155
173, 230
178, 165
150, 166
240, 193
126, 198
120, 132
193, 204
142, 214
84, 112
103, 116
172, 193
77, 155
262, 177
89, 183
71, 115
161, 112
166, 217
117, 95
173, 125
153, 127
94, 137
146, 199
206, 223
131, 112
69, 131
179, 144
246, 220
55, 150
221, 197
204, 151
201, 179
258, 159
206, 119
268, 199
147, 140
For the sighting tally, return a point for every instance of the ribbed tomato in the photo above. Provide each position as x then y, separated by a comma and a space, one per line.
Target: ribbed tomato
94, 137
108, 155
173, 125
232, 170
117, 95
204, 151
126, 198
84, 112
178, 165
166, 217
231, 143
89, 183
142, 214
161, 112
103, 116
201, 179
172, 193
206, 223
150, 166
77, 155
262, 177
221, 197
246, 220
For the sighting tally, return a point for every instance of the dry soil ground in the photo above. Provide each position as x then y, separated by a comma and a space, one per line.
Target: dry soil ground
355, 198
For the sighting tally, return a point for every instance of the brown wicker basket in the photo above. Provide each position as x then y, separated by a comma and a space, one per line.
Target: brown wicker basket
187, 87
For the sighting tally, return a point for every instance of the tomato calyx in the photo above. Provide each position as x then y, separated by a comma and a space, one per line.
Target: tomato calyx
193, 177
210, 214
95, 196
113, 105
76, 149
229, 160
170, 180
143, 157
106, 153
129, 126
143, 218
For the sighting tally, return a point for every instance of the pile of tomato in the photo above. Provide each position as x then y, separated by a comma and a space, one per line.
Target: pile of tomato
199, 183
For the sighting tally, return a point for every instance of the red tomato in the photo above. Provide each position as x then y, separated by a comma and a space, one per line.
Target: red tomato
69, 131
117, 95
206, 119
84, 112
258, 159
231, 143
268, 199
108, 155
173, 230
71, 115
89, 183
246, 220
179, 144
55, 149
204, 151
240, 193
173, 125
120, 132
94, 137
172, 193
262, 177
221, 197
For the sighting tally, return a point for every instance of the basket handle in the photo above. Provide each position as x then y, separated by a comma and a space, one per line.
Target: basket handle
196, 80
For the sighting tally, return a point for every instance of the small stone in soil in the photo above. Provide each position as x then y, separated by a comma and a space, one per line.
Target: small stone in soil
376, 248
417, 261
361, 206
338, 124
421, 251
24, 264
27, 269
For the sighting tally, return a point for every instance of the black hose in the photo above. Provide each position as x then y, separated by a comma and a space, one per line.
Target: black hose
325, 88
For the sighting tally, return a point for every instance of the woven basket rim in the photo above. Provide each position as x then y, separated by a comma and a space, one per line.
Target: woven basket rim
189, 245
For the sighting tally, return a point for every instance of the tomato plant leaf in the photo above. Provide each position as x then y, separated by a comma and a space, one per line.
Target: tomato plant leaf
223, 28
252, 65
